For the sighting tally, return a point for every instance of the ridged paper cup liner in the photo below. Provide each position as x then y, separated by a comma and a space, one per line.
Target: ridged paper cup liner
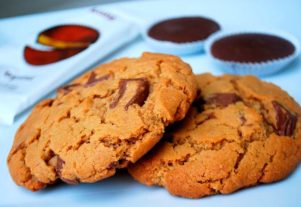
263, 68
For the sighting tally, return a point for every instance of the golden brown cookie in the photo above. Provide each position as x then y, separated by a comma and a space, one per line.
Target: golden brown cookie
240, 132
101, 121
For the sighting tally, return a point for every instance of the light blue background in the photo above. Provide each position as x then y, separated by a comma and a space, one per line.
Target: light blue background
122, 190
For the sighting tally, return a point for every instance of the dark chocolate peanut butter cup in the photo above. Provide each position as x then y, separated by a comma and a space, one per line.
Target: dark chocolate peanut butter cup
252, 52
180, 35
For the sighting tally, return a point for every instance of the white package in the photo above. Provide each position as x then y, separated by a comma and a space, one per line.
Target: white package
22, 84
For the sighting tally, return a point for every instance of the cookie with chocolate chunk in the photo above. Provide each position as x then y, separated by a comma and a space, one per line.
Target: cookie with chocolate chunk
102, 121
239, 132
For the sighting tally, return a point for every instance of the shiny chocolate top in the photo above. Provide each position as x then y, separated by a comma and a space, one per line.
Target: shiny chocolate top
251, 47
182, 30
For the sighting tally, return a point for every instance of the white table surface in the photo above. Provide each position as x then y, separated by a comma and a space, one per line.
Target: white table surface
121, 190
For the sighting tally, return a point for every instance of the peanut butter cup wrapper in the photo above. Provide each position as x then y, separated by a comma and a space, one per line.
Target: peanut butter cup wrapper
261, 68
171, 47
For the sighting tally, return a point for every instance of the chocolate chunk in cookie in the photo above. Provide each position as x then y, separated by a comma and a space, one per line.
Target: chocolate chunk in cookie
94, 80
223, 99
286, 121
139, 96
68, 88
59, 167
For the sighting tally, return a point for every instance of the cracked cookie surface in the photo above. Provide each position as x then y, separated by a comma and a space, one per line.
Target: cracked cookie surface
102, 121
239, 132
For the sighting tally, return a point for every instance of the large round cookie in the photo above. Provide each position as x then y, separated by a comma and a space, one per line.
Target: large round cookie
240, 132
101, 121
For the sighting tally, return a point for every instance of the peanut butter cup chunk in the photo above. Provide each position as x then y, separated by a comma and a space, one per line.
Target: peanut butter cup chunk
102, 121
